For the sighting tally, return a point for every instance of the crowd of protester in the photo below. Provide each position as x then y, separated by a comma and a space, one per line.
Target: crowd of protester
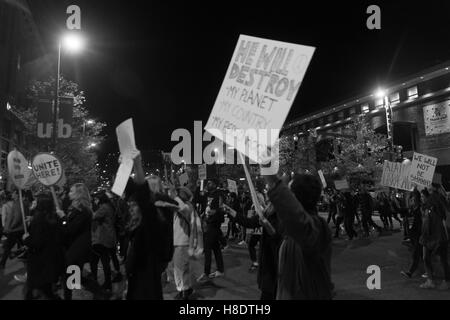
155, 229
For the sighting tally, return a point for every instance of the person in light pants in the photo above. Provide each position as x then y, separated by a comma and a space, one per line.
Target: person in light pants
181, 232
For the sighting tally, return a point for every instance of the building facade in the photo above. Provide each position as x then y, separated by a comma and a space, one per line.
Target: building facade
420, 114
19, 45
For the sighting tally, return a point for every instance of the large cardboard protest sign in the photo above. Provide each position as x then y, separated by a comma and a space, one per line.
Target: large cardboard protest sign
422, 170
18, 169
125, 138
202, 172
47, 168
341, 184
396, 175
259, 88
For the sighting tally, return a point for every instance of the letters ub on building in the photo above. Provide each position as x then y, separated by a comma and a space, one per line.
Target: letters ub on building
420, 113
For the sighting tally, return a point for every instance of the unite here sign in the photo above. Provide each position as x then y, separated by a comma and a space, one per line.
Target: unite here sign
257, 93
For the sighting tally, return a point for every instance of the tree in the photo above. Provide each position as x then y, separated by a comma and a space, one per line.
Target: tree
356, 155
76, 153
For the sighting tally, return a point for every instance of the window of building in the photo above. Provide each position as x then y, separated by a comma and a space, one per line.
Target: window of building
321, 121
352, 111
412, 92
379, 103
341, 115
365, 108
330, 118
394, 98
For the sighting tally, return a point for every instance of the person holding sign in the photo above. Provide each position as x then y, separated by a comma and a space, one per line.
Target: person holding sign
76, 229
268, 251
304, 265
150, 245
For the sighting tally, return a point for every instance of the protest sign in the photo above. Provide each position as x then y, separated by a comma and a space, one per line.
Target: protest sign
19, 173
122, 176
202, 172
18, 169
422, 170
125, 138
396, 175
322, 178
184, 179
127, 144
341, 184
257, 93
232, 186
47, 168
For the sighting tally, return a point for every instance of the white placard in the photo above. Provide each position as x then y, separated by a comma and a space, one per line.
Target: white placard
257, 93
202, 171
341, 184
396, 175
18, 169
437, 118
125, 137
232, 186
122, 176
422, 169
47, 168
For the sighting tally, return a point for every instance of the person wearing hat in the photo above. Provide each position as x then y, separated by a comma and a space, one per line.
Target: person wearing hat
181, 233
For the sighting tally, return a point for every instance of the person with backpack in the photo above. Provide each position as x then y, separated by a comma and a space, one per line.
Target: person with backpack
181, 233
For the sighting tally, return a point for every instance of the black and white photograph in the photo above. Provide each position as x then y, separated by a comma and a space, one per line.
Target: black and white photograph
224, 155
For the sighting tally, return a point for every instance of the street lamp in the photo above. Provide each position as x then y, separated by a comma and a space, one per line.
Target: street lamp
72, 42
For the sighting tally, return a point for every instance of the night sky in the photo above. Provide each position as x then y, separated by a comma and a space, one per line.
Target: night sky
163, 63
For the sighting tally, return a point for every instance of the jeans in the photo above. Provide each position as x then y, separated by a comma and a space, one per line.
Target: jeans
367, 221
212, 243
104, 254
254, 239
348, 225
442, 252
339, 221
416, 256
12, 239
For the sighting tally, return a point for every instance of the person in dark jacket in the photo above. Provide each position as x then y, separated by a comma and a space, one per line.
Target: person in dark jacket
268, 251
304, 265
103, 237
149, 246
350, 211
366, 204
76, 230
214, 217
414, 233
45, 262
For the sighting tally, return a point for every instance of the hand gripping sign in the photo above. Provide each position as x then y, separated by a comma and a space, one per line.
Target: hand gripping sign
19, 173
47, 169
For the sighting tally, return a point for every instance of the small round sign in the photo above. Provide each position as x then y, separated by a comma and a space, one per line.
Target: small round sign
18, 169
47, 168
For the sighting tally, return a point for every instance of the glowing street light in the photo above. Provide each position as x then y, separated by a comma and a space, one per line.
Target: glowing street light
73, 42
380, 93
